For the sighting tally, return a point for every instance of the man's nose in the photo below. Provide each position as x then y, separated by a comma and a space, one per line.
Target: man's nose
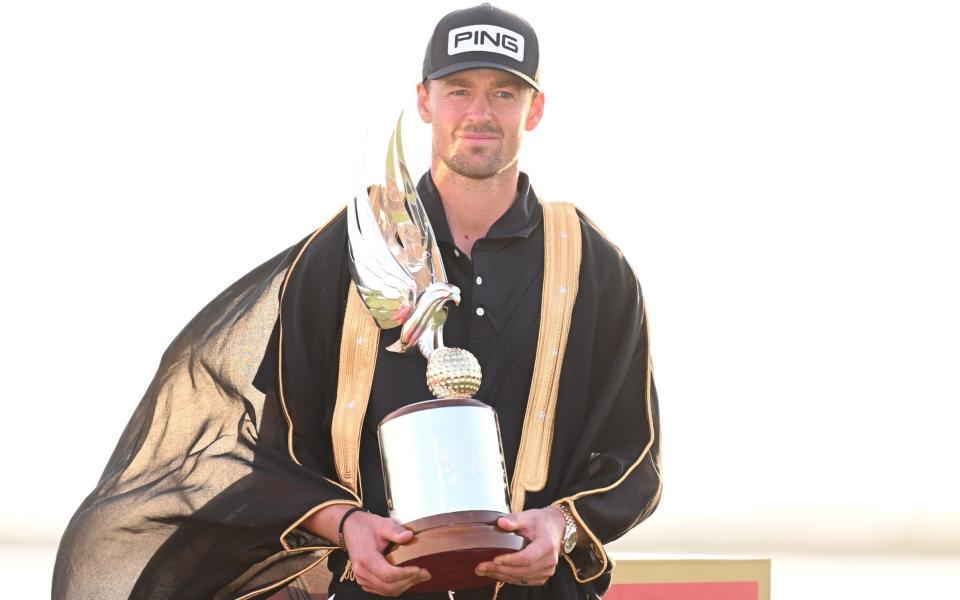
480, 108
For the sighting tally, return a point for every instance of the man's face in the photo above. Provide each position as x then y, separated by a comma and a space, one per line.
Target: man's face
478, 118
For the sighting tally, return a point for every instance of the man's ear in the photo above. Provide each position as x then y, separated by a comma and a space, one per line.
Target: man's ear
536, 112
423, 103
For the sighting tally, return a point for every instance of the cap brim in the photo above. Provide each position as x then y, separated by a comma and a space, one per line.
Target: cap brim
480, 64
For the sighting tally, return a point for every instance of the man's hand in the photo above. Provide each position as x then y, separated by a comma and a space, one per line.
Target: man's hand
367, 537
533, 565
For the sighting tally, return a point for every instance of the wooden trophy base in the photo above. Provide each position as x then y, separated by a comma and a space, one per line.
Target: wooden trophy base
451, 545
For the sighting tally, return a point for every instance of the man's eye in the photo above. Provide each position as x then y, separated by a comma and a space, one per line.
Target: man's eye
458, 93
504, 94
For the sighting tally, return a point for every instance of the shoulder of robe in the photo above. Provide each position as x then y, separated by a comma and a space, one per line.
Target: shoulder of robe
328, 241
323, 252
602, 258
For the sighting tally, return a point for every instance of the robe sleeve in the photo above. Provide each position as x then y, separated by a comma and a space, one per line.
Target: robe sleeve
312, 305
622, 484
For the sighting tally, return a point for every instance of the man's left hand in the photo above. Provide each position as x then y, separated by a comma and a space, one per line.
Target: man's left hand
543, 528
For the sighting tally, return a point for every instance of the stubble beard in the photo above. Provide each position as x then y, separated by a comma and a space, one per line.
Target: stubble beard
461, 164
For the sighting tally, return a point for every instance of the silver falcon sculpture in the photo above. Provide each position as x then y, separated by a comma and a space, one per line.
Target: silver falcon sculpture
398, 272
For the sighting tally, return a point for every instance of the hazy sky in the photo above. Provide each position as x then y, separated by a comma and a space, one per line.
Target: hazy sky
782, 177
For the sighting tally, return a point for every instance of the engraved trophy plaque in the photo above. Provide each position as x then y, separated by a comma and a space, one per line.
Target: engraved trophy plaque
442, 458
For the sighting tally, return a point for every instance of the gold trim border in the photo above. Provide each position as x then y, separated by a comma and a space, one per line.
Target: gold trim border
562, 252
359, 343
285, 580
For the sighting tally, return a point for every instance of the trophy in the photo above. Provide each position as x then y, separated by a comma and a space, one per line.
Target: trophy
443, 464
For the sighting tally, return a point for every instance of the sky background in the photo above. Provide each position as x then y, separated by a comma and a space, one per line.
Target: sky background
783, 177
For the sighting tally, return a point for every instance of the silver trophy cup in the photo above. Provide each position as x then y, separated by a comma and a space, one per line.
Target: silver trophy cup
442, 459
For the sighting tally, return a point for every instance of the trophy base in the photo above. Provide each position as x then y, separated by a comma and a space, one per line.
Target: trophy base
451, 545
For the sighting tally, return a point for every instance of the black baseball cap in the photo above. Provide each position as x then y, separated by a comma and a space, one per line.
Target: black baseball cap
483, 37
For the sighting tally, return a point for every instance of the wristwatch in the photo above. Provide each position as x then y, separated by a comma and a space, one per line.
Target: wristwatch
570, 531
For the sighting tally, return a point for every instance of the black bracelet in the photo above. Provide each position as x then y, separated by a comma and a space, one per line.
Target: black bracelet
343, 520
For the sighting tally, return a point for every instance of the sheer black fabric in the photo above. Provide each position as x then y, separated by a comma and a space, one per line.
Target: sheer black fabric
200, 485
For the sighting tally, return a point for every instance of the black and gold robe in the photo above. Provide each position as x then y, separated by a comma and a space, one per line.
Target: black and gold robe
204, 492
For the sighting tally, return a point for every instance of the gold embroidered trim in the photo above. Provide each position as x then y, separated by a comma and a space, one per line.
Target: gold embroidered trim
358, 359
283, 581
286, 532
283, 291
561, 278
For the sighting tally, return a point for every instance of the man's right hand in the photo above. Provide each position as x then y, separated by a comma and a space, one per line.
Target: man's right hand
367, 536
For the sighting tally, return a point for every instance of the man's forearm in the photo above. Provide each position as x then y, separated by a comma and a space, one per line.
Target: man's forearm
326, 521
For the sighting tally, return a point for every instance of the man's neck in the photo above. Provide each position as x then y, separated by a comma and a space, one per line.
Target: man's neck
472, 206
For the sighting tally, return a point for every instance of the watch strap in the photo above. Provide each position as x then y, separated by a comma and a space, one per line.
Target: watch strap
570, 530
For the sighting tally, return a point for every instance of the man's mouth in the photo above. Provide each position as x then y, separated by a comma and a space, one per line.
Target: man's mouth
479, 137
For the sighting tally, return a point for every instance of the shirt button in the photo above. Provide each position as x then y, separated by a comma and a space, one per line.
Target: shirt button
456, 253
479, 280
480, 312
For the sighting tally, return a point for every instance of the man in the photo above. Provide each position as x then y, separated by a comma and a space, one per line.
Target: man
218, 490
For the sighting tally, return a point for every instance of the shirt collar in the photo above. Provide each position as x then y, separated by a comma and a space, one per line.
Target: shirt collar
519, 221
